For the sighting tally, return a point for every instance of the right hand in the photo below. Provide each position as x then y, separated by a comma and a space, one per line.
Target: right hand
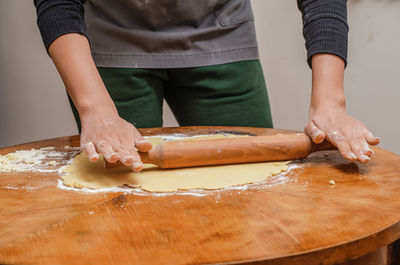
114, 138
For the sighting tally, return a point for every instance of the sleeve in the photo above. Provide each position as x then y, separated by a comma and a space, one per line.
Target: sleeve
58, 17
325, 27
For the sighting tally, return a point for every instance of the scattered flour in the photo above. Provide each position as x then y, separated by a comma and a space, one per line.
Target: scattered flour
45, 159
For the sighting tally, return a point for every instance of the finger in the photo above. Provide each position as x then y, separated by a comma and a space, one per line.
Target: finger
137, 164
143, 145
342, 145
105, 148
137, 167
366, 149
356, 145
90, 151
130, 157
127, 157
316, 134
371, 139
140, 143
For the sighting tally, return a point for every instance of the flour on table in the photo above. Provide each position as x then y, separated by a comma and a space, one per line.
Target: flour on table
45, 159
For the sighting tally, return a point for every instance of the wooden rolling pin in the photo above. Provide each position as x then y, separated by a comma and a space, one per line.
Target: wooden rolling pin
231, 150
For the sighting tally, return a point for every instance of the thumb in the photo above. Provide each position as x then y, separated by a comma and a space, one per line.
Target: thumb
316, 134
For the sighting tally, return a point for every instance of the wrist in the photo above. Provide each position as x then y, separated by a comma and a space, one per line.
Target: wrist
97, 111
335, 102
327, 97
327, 82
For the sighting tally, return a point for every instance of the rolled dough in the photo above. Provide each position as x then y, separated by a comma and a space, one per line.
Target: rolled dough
83, 174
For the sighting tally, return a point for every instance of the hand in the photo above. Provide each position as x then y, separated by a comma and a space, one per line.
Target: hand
331, 122
114, 138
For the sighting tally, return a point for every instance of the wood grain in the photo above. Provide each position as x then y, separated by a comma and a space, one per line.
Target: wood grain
301, 219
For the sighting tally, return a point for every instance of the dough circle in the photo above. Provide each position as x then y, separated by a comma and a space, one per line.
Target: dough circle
83, 174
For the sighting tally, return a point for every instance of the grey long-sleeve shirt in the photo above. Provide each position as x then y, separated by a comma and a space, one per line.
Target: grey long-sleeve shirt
182, 33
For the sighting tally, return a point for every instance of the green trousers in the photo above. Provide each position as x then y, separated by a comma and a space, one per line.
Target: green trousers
232, 94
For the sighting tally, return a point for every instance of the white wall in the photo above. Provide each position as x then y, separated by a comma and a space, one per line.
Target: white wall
372, 81
33, 103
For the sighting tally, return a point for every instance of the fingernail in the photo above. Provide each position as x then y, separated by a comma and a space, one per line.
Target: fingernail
141, 141
137, 165
317, 136
93, 156
126, 158
353, 156
111, 155
364, 157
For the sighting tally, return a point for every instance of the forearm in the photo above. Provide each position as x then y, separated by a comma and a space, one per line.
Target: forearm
72, 57
327, 81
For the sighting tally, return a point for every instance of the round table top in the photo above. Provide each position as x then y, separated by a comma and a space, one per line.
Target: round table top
301, 217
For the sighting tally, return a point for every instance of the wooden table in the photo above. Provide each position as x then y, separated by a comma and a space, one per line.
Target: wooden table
301, 220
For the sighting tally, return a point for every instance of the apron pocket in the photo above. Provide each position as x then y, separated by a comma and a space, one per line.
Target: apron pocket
233, 12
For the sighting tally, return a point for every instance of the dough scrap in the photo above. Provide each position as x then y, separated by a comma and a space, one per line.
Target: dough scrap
83, 174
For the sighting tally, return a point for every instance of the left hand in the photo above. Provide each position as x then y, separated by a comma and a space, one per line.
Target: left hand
352, 138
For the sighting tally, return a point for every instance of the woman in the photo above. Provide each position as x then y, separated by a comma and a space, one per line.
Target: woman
201, 56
